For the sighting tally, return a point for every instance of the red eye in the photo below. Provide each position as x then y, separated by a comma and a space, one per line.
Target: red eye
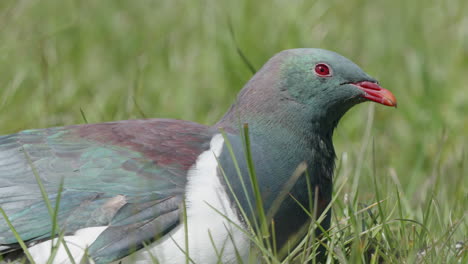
322, 70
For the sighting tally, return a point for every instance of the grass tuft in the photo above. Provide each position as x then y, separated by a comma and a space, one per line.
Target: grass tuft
131, 59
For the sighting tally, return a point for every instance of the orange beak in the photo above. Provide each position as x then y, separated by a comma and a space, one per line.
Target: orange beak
374, 92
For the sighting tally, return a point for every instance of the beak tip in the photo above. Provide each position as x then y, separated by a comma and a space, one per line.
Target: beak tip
390, 102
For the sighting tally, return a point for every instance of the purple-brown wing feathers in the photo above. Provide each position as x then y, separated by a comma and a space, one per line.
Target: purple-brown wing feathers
142, 161
166, 142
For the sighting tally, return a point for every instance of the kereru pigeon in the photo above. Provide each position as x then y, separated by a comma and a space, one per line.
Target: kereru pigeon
167, 189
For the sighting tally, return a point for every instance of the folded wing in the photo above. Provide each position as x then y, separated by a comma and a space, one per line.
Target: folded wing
127, 175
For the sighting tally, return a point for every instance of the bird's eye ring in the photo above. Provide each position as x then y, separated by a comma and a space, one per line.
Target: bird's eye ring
322, 70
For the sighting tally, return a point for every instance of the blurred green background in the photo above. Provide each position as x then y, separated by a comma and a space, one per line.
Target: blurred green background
177, 59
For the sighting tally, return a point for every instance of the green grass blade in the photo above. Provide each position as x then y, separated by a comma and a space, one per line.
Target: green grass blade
17, 236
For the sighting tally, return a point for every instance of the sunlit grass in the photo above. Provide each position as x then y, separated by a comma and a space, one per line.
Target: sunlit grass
74, 61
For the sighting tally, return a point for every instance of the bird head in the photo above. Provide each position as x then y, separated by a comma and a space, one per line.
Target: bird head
326, 80
307, 84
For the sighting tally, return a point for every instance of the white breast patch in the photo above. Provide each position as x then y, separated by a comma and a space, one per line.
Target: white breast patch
204, 192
